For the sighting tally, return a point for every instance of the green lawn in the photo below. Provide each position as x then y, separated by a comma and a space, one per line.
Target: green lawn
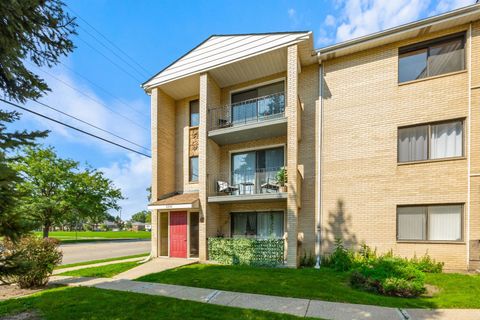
85, 263
91, 303
106, 271
87, 236
456, 290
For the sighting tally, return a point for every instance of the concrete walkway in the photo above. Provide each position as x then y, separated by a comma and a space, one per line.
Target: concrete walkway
293, 306
59, 271
154, 266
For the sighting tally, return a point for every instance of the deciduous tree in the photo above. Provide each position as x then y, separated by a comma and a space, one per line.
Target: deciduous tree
55, 188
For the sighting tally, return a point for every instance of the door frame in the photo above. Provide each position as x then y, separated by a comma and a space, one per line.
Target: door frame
168, 228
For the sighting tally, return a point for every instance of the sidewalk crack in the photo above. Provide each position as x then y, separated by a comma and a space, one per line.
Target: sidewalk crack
306, 311
403, 314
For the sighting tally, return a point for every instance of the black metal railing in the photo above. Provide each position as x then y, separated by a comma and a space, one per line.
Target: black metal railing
245, 182
248, 111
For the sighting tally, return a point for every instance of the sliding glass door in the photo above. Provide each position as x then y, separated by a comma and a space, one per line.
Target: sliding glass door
252, 169
261, 225
253, 104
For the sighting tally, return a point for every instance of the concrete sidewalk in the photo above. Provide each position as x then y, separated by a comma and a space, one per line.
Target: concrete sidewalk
154, 266
293, 306
59, 271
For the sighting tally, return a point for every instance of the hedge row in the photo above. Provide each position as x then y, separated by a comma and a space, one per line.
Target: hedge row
253, 252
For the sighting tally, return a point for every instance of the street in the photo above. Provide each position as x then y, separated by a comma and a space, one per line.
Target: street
79, 252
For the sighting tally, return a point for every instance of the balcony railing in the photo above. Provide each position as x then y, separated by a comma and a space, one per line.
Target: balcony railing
248, 111
245, 182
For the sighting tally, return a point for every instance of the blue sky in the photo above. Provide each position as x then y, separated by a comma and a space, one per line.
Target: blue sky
154, 33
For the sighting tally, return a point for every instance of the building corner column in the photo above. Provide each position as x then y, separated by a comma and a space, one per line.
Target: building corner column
292, 155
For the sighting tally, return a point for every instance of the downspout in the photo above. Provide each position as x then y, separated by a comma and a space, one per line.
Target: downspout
469, 139
319, 167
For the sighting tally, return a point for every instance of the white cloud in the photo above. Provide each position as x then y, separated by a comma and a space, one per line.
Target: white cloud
70, 101
130, 172
294, 17
361, 17
330, 21
132, 176
323, 38
292, 12
448, 5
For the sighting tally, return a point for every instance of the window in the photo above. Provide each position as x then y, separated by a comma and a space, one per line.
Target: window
254, 168
193, 169
431, 58
164, 233
194, 113
249, 105
257, 224
430, 223
431, 141
194, 229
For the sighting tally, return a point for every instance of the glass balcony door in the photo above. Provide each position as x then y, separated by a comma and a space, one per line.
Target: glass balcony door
247, 107
252, 169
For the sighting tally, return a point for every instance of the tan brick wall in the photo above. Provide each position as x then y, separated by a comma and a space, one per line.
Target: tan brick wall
363, 108
475, 151
182, 118
163, 163
291, 113
308, 90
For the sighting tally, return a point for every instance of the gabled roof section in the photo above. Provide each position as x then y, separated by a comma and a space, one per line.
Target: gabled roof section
219, 50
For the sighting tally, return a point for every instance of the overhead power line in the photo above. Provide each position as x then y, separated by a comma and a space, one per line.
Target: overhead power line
109, 41
110, 60
96, 100
89, 124
76, 129
101, 88
140, 72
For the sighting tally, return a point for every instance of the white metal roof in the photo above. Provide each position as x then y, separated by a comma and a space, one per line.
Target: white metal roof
219, 50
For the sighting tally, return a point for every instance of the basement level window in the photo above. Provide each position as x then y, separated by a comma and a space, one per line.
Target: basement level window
431, 58
430, 223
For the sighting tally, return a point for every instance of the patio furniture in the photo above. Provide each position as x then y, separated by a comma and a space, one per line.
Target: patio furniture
271, 184
247, 184
224, 187
223, 123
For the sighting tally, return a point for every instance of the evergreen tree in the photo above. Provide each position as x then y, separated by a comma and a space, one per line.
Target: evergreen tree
38, 31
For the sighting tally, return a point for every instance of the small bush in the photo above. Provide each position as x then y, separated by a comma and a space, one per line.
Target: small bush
391, 276
341, 259
427, 264
384, 274
307, 260
38, 257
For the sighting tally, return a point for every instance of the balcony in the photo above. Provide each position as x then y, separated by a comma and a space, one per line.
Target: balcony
246, 185
259, 118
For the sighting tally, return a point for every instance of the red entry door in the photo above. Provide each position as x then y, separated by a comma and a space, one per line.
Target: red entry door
178, 234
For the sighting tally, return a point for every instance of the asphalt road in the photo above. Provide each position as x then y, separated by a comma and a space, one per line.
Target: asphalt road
79, 252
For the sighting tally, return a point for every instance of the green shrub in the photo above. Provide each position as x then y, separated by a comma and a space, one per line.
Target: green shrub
389, 275
427, 264
246, 251
341, 259
384, 274
307, 260
38, 257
